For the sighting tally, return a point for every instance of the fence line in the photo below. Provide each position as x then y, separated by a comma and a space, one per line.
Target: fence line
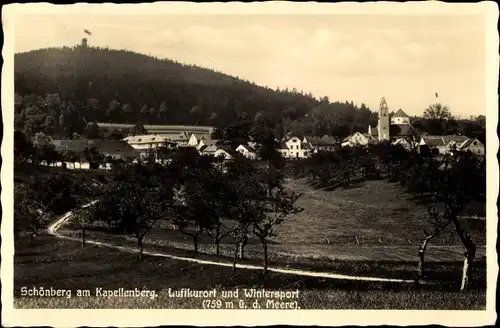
399, 241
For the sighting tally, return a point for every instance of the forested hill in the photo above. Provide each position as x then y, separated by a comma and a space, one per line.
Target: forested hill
97, 84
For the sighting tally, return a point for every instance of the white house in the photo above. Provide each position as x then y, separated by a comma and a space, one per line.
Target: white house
146, 143
443, 143
198, 140
406, 143
295, 148
193, 140
247, 151
208, 150
454, 141
359, 139
400, 118
473, 145
225, 153
325, 143
203, 142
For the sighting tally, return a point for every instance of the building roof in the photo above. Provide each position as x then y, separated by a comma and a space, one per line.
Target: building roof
156, 128
208, 141
228, 150
147, 138
306, 145
209, 149
321, 141
396, 130
283, 145
115, 148
400, 113
371, 139
453, 137
249, 148
399, 130
470, 142
182, 136
434, 141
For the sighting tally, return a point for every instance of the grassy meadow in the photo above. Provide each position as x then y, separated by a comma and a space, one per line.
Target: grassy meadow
375, 222
386, 222
65, 265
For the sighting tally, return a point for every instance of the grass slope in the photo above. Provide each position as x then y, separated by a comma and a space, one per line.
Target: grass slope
62, 264
377, 213
386, 222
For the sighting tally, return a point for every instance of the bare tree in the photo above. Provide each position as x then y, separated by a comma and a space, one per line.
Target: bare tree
456, 181
438, 222
277, 207
84, 219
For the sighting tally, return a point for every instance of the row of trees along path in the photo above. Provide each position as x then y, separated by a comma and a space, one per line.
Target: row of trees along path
198, 194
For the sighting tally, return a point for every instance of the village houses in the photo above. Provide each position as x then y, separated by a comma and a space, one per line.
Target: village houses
473, 145
325, 143
359, 139
248, 151
294, 147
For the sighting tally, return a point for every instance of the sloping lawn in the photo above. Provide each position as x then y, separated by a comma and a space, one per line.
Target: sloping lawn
66, 265
377, 212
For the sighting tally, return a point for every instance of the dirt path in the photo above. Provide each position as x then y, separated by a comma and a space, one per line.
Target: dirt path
53, 230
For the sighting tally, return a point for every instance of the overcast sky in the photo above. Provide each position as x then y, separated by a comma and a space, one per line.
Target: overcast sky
361, 58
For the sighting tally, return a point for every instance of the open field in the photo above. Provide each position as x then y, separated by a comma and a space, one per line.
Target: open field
301, 244
377, 212
446, 271
376, 222
64, 264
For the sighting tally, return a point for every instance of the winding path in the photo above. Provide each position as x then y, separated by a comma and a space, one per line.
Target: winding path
54, 227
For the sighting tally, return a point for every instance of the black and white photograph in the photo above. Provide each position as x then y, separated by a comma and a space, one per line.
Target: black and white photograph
265, 158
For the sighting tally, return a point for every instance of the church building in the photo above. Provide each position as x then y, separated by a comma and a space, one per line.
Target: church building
391, 127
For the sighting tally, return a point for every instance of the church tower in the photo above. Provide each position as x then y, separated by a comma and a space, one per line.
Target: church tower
383, 121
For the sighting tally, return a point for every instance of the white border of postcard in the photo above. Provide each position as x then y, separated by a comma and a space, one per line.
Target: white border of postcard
59, 318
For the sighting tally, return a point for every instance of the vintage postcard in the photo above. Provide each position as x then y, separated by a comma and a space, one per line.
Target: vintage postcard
249, 164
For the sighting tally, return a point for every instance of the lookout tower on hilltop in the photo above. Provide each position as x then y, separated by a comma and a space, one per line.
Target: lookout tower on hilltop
84, 43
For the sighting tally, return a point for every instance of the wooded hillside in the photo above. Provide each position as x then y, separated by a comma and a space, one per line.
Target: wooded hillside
124, 87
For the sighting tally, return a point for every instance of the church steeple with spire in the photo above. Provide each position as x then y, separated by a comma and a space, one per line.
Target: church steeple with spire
391, 126
383, 121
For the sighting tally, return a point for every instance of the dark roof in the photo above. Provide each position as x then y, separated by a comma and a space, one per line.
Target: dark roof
209, 148
167, 129
399, 130
306, 145
208, 141
396, 130
434, 141
453, 137
249, 148
115, 148
400, 113
468, 142
369, 137
229, 150
321, 141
